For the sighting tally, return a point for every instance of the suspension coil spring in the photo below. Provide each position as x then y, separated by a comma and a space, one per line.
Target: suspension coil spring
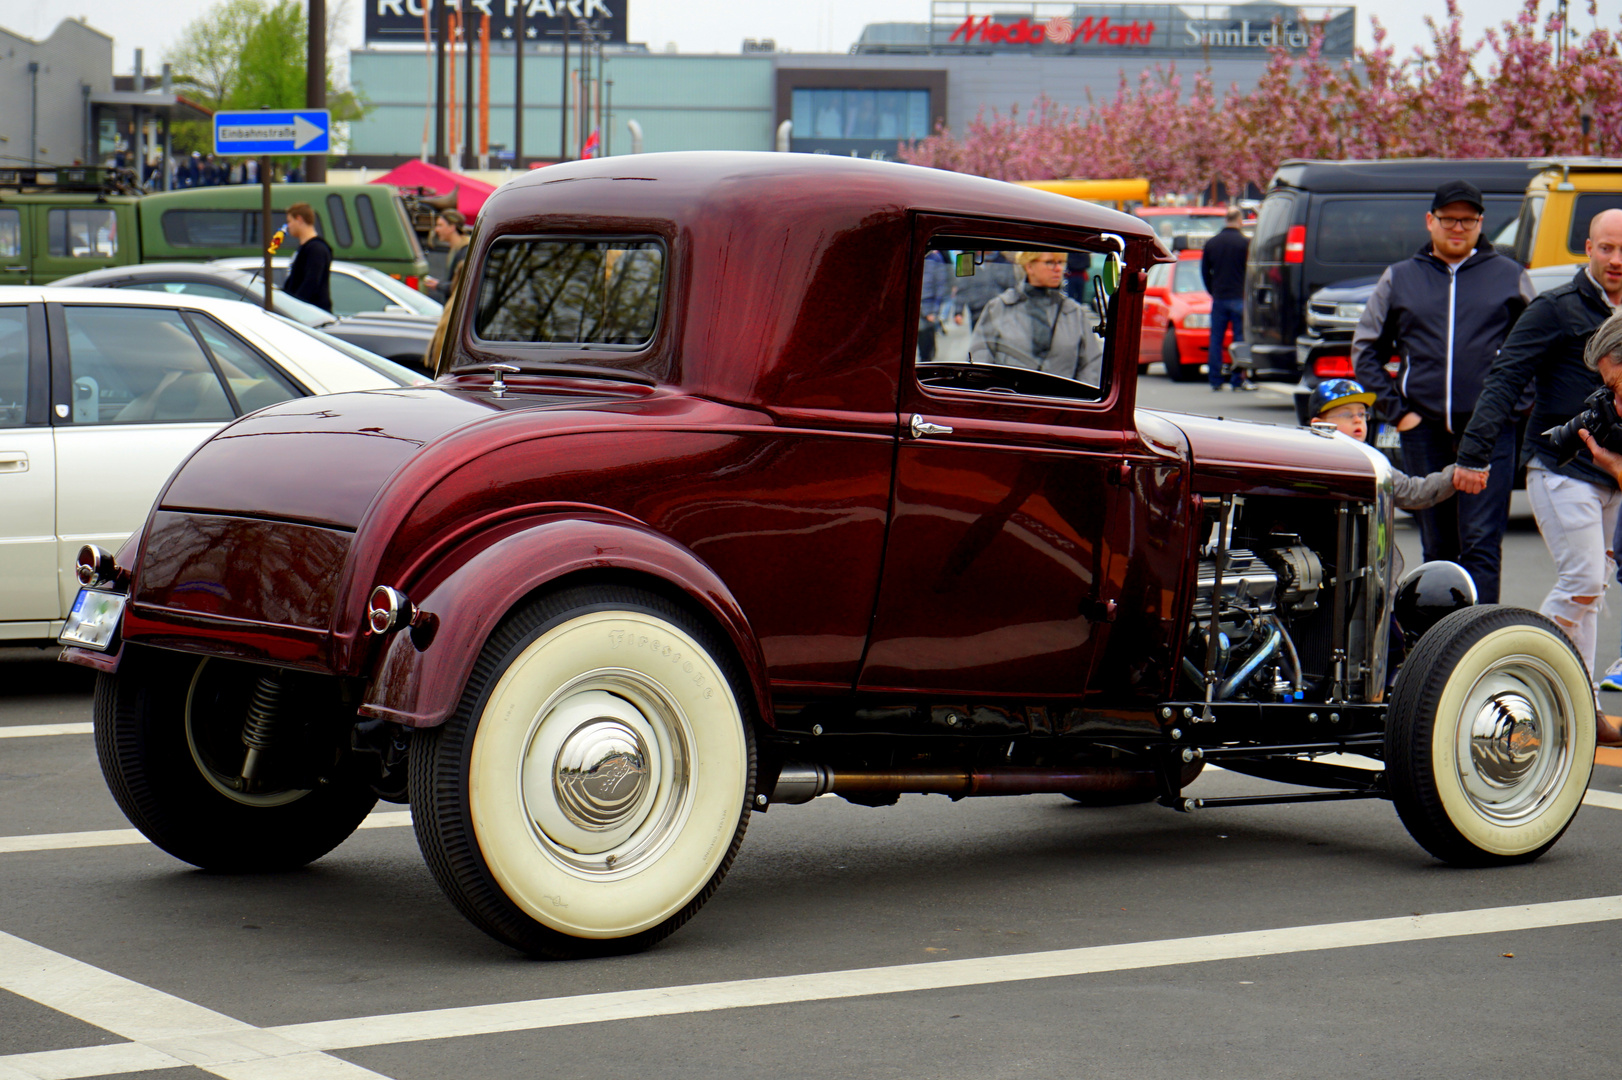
259, 729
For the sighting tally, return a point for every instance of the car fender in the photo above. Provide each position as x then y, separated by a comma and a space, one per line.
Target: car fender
419, 678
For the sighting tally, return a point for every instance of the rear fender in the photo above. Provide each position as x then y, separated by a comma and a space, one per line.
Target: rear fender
421, 674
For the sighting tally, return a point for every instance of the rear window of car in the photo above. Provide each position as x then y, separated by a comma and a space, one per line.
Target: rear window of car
558, 291
1583, 215
1382, 231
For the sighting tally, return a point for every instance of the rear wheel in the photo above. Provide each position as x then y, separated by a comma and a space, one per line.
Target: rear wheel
1176, 370
1490, 737
173, 734
593, 786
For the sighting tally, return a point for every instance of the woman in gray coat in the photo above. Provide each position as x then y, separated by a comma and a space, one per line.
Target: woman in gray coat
1035, 325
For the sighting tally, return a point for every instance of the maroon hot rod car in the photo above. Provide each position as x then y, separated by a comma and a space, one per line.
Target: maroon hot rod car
684, 530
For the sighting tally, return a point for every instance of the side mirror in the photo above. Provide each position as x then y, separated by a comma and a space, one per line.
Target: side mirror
963, 263
1112, 273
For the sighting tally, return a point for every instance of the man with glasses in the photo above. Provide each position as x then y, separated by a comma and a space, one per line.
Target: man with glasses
1444, 313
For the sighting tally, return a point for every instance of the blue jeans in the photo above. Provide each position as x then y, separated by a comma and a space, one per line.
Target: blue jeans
1466, 529
1224, 312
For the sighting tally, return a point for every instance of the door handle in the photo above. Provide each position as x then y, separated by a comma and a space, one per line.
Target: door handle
24, 266
13, 461
921, 427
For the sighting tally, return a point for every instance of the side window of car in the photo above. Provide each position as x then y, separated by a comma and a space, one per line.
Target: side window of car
340, 221
13, 366
189, 288
131, 365
253, 381
368, 221
11, 233
351, 295
1006, 322
88, 233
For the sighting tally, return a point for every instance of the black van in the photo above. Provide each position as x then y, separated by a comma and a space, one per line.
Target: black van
1327, 221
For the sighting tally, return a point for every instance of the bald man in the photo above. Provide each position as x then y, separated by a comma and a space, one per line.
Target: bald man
1575, 503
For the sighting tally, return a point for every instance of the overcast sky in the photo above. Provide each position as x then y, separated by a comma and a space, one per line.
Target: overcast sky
703, 25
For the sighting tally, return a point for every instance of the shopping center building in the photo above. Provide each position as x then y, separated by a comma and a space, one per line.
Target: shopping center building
898, 82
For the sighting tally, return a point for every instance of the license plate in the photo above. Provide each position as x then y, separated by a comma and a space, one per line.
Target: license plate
1387, 438
94, 619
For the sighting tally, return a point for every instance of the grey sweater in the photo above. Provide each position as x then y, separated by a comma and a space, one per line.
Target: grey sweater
1422, 492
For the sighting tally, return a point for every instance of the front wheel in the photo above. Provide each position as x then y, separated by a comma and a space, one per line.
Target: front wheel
1176, 370
173, 735
593, 786
1490, 737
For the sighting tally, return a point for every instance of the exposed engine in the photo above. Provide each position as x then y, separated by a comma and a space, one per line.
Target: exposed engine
1270, 593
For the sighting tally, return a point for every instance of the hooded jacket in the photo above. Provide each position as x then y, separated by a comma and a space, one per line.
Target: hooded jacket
1446, 323
1038, 328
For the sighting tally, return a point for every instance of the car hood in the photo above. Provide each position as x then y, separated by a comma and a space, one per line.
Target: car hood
1240, 457
1351, 291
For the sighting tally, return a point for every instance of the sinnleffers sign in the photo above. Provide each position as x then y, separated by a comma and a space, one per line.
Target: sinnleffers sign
402, 20
1171, 30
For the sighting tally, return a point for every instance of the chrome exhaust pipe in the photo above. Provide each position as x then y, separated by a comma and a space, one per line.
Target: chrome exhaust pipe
800, 783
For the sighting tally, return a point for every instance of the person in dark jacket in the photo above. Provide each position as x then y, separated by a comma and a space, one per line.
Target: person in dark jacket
310, 277
1445, 312
1222, 266
1577, 503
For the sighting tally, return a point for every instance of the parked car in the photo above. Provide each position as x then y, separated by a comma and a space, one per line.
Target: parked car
1177, 319
1561, 201
1173, 221
401, 337
680, 535
1322, 222
356, 289
103, 393
1325, 350
56, 222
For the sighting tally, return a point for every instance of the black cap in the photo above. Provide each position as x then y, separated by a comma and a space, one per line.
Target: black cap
1458, 191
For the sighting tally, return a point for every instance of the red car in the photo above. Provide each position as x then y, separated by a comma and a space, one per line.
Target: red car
684, 531
1172, 221
1177, 319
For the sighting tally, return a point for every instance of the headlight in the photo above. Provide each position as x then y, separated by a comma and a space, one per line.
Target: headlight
1198, 320
1349, 312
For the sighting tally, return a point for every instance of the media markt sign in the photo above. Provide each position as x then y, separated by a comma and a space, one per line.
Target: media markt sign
1153, 30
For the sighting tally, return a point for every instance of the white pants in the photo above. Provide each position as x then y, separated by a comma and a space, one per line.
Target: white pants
1577, 520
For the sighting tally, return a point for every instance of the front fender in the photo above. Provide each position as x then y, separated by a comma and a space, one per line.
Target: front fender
418, 685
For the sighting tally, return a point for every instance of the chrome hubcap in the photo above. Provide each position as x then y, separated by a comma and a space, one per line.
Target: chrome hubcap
600, 774
605, 777
1513, 745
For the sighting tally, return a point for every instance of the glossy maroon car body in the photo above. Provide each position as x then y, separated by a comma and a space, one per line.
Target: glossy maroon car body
959, 578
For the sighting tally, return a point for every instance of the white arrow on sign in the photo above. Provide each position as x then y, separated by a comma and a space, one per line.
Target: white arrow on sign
301, 131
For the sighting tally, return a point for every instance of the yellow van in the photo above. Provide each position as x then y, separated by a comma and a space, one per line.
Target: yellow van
1560, 202
1121, 195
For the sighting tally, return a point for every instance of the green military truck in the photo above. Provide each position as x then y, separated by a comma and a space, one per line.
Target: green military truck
57, 222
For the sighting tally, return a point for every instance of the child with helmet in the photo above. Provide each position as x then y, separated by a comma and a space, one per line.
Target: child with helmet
1345, 404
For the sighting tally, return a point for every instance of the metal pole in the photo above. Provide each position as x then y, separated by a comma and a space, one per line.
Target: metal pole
467, 127
608, 129
264, 223
33, 113
441, 153
315, 84
518, 90
563, 98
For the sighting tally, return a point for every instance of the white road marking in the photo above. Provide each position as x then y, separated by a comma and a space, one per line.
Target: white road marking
383, 819
1608, 799
168, 1032
27, 731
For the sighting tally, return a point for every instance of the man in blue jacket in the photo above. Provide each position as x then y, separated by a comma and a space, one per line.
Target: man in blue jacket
1576, 502
1445, 312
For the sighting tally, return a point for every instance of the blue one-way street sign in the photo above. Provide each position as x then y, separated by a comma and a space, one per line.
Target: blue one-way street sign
304, 131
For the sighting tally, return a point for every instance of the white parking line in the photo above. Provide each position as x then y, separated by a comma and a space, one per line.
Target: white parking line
1608, 799
28, 731
168, 1032
382, 819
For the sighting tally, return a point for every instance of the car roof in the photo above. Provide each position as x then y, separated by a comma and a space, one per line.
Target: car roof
249, 262
1499, 176
73, 294
198, 271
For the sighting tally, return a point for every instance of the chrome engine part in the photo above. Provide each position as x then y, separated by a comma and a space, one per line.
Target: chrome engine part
1261, 590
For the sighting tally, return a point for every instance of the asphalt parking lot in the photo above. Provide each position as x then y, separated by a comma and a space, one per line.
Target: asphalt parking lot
1020, 937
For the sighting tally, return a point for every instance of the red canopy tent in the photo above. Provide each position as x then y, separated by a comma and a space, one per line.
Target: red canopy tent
470, 193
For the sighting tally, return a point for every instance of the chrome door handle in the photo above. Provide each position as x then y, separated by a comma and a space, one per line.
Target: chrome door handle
24, 266
921, 427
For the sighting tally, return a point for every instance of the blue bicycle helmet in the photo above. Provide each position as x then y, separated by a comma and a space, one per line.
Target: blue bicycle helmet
1333, 392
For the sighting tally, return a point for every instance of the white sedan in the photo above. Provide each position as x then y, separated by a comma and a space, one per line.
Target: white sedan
104, 392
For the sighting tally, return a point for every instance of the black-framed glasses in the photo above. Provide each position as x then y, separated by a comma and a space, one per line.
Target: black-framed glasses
1456, 224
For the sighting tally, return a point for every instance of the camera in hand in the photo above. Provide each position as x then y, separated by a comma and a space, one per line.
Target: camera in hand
1598, 418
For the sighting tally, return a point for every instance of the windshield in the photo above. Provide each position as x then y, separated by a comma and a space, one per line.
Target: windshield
1170, 225
289, 306
399, 375
399, 291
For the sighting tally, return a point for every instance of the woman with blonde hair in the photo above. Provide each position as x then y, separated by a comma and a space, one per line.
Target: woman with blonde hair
1035, 325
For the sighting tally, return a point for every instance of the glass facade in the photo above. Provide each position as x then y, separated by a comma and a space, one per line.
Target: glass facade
890, 115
